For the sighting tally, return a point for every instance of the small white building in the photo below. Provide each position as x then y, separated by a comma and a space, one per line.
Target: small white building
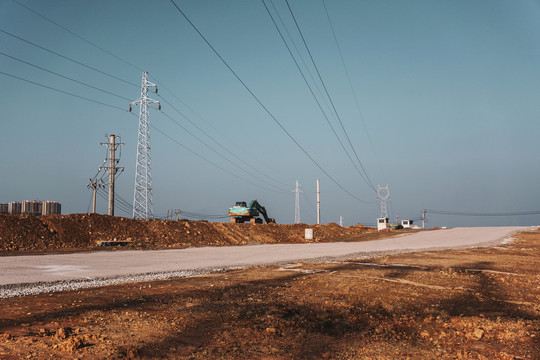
407, 224
382, 224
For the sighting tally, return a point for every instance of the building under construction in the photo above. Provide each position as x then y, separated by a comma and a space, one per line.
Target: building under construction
31, 207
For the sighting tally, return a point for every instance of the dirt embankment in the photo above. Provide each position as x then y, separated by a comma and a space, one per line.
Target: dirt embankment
85, 231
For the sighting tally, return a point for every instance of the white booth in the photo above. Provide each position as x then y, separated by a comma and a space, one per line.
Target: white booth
407, 224
382, 224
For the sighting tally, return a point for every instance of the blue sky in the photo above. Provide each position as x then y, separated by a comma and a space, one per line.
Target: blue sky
448, 91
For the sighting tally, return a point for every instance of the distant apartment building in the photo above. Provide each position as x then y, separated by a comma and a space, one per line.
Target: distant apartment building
31, 207
14, 207
51, 208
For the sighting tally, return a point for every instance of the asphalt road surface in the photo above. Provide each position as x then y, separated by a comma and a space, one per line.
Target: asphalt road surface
80, 266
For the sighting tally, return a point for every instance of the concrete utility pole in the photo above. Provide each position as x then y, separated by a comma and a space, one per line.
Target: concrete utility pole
112, 169
94, 186
341, 221
423, 218
318, 203
297, 204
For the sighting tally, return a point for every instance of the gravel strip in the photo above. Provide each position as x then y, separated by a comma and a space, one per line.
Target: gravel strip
16, 290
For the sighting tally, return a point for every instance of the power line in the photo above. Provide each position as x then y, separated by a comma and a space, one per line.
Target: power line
219, 133
205, 159
62, 91
329, 97
78, 36
298, 51
352, 87
136, 67
218, 153
221, 146
68, 58
122, 207
204, 216
313, 93
458, 213
63, 76
262, 105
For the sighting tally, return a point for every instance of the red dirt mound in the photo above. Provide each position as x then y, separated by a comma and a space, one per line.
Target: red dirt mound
85, 232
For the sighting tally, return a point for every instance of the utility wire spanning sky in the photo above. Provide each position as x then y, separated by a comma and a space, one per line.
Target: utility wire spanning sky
438, 99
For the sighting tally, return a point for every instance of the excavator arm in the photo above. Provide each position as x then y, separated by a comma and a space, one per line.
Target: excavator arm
254, 204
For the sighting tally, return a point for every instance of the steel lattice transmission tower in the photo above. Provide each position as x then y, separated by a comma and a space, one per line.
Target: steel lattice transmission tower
383, 194
297, 203
143, 207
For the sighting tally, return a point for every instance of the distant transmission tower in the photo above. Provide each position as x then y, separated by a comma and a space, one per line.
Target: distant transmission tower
143, 207
297, 204
383, 194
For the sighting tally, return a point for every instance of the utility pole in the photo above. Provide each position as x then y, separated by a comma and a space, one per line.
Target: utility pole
341, 221
177, 212
423, 218
112, 168
143, 207
94, 186
297, 204
318, 203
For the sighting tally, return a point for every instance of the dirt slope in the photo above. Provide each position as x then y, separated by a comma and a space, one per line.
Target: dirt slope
85, 231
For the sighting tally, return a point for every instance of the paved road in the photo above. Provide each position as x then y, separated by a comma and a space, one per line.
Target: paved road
51, 268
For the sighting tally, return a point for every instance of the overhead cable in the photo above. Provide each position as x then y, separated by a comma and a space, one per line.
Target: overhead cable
62, 91
329, 97
213, 127
134, 66
65, 77
78, 36
352, 87
458, 213
219, 153
208, 161
314, 96
68, 58
222, 146
263, 106
297, 51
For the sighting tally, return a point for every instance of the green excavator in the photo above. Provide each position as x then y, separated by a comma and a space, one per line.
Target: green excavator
241, 212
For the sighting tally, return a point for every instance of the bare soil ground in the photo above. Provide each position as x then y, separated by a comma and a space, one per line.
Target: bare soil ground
82, 232
480, 303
